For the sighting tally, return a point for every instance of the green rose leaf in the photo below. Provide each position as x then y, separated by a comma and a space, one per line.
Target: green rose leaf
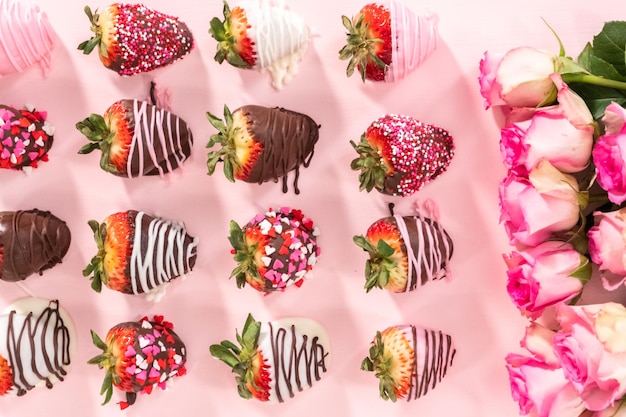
610, 45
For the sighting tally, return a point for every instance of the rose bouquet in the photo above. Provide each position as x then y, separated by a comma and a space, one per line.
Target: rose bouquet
563, 207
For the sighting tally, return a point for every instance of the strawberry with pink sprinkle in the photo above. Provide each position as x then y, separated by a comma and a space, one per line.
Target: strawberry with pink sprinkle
274, 250
25, 138
398, 155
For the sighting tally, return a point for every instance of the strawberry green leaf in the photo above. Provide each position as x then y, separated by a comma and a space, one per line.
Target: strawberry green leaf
224, 354
251, 331
384, 249
97, 341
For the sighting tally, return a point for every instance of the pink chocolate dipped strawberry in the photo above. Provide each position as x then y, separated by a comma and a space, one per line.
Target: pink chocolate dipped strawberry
26, 37
25, 138
139, 356
398, 155
274, 250
387, 40
409, 361
133, 38
261, 35
276, 360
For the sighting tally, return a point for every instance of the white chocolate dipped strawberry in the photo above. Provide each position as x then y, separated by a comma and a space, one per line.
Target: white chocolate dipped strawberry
409, 361
387, 40
26, 37
275, 360
37, 344
262, 35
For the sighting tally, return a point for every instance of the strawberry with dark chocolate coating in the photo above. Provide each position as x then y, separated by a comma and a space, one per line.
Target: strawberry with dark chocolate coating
405, 252
259, 144
25, 137
137, 138
31, 241
139, 356
139, 253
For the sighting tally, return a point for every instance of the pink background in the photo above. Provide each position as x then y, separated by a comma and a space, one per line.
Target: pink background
207, 307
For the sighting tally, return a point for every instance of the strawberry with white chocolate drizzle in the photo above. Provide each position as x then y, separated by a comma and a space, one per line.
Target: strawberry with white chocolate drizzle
139, 253
25, 138
276, 359
274, 250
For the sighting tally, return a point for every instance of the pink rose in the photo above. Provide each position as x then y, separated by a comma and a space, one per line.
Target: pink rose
562, 134
550, 135
607, 243
597, 374
538, 341
533, 208
541, 276
541, 389
520, 78
609, 154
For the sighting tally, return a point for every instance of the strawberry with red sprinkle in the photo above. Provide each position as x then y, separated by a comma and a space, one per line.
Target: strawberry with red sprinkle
274, 250
25, 138
139, 356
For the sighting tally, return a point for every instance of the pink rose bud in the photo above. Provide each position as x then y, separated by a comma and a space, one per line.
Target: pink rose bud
609, 154
541, 389
534, 208
521, 78
544, 275
596, 373
607, 245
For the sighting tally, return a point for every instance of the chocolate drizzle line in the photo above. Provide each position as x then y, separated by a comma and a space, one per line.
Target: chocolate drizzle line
288, 362
288, 139
23, 344
438, 357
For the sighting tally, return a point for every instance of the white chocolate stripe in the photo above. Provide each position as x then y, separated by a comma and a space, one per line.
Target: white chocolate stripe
160, 264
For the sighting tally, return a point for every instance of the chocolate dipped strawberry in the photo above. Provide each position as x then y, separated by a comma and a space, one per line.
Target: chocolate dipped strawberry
275, 360
137, 138
274, 250
139, 253
259, 144
387, 40
398, 155
31, 241
139, 356
25, 138
405, 252
263, 36
409, 361
27, 37
37, 345
133, 38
